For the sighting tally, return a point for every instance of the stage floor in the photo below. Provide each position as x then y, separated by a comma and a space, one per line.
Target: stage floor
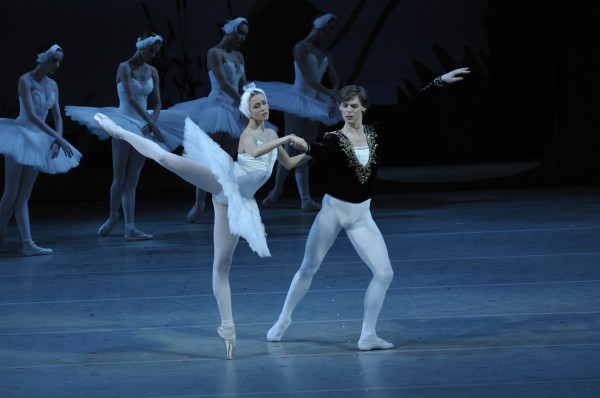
496, 293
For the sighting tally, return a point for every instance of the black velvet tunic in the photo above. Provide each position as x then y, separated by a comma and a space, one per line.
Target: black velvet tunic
348, 180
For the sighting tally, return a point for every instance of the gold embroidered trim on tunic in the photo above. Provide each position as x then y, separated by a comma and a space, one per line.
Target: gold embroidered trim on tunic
362, 172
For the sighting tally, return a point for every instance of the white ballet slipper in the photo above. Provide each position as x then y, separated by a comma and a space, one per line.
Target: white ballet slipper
374, 344
276, 332
107, 124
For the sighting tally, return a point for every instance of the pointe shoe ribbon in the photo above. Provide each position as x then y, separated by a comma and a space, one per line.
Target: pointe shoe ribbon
229, 336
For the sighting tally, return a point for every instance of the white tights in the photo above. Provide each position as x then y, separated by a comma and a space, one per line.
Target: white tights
18, 183
127, 165
366, 238
203, 178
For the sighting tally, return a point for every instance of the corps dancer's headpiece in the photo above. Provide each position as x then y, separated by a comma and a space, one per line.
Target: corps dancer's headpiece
322, 20
250, 89
148, 41
48, 54
231, 26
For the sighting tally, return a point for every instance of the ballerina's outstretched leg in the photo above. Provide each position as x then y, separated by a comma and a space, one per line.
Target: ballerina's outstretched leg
192, 172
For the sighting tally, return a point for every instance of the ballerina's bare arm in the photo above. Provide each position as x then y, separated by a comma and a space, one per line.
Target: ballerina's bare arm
215, 62
290, 162
157, 105
300, 56
58, 127
249, 145
124, 76
24, 88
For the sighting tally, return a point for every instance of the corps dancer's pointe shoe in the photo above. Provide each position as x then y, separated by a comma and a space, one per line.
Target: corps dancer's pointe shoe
374, 344
135, 235
108, 125
271, 198
310, 205
227, 333
277, 331
31, 249
195, 212
108, 226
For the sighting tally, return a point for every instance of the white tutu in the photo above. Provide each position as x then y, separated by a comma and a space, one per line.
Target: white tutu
210, 114
84, 115
284, 97
299, 99
126, 117
240, 181
27, 144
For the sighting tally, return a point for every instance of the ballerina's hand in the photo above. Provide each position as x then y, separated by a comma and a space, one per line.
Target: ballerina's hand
298, 143
157, 135
455, 75
152, 131
55, 148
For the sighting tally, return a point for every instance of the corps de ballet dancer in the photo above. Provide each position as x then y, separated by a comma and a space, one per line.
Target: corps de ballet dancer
136, 81
353, 154
218, 114
231, 183
30, 145
306, 103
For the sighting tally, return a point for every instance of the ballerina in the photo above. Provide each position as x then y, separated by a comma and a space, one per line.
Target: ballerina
307, 103
232, 185
136, 81
218, 114
30, 145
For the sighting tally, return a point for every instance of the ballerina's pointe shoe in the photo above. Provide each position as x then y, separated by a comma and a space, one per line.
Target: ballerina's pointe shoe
374, 344
31, 249
108, 125
227, 333
276, 332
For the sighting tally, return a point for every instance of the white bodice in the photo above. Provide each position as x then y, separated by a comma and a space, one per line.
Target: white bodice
140, 91
252, 173
362, 153
316, 71
233, 74
41, 105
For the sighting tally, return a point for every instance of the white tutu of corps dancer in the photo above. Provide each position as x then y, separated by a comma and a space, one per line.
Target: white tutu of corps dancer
126, 117
27, 144
299, 99
217, 112
240, 181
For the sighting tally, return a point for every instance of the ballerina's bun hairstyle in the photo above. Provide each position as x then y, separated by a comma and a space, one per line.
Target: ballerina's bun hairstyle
46, 53
147, 39
250, 90
231, 26
322, 20
347, 93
